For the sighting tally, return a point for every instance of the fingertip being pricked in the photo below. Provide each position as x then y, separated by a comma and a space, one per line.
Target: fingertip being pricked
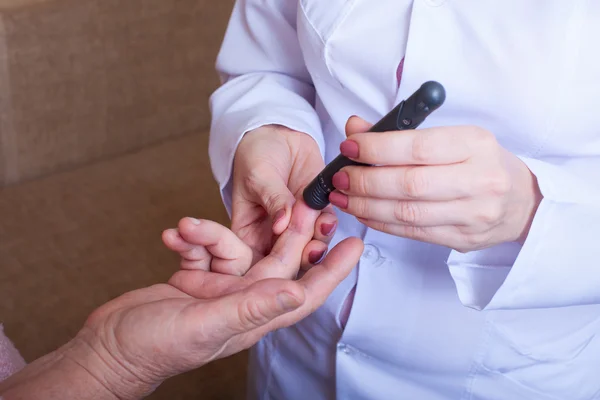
303, 219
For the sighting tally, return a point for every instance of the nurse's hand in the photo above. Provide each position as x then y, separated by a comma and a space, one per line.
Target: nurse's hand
272, 166
453, 186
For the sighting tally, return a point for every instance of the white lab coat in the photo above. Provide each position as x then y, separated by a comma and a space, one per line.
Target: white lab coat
428, 323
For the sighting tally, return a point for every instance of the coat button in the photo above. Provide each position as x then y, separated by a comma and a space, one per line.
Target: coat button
372, 255
344, 348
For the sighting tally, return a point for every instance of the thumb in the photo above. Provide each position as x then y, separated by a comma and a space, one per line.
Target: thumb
257, 306
356, 125
277, 200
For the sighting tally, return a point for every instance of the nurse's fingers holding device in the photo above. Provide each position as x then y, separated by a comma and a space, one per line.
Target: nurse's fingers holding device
409, 114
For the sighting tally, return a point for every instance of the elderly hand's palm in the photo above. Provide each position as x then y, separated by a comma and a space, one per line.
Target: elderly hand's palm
160, 331
167, 329
152, 331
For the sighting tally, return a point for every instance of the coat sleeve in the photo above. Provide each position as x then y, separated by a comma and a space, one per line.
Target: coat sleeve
264, 81
559, 263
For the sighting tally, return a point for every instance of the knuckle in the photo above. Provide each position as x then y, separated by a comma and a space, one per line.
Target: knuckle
490, 214
408, 213
423, 233
273, 200
482, 136
252, 314
421, 149
360, 206
468, 244
414, 183
418, 233
385, 227
252, 182
197, 253
359, 182
474, 242
368, 152
373, 149
381, 227
498, 183
480, 141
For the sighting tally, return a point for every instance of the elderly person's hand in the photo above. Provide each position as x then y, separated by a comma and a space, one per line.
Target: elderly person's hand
133, 343
208, 246
453, 186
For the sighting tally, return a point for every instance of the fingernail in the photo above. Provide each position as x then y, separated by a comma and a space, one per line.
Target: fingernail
287, 302
349, 148
315, 257
339, 200
194, 221
327, 229
278, 216
341, 181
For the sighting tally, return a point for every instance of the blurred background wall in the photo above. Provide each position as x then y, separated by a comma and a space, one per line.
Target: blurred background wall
103, 144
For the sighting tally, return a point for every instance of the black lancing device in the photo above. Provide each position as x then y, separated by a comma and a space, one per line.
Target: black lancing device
409, 114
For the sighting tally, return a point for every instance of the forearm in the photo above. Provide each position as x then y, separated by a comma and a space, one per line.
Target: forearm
74, 371
55, 376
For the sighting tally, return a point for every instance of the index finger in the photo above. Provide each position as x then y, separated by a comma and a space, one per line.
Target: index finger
431, 146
